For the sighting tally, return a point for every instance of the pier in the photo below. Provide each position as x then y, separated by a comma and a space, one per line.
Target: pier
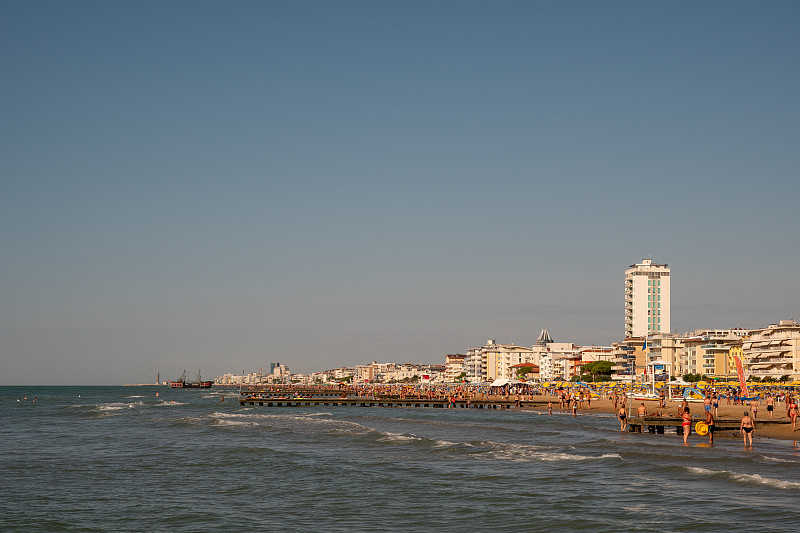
440, 403
656, 424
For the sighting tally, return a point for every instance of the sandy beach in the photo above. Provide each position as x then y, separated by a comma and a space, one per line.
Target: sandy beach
774, 431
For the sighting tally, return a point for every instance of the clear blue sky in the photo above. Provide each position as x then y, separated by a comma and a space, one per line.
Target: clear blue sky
225, 184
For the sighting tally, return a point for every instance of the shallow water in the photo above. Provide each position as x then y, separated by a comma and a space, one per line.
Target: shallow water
122, 459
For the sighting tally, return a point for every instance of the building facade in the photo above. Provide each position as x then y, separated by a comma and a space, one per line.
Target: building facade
454, 365
647, 299
773, 351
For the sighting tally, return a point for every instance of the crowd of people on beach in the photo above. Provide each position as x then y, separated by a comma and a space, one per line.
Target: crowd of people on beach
574, 398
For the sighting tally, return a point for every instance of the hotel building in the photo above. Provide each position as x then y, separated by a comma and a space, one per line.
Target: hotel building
647, 304
774, 351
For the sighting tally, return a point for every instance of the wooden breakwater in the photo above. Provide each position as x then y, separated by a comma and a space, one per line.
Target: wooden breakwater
440, 403
657, 424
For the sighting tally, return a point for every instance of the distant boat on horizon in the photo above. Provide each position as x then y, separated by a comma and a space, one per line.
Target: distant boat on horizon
198, 383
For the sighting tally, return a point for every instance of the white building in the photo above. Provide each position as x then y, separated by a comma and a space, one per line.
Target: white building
454, 366
565, 359
774, 351
647, 303
501, 357
475, 365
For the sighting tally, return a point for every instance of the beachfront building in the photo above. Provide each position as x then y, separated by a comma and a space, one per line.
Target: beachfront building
647, 299
707, 351
629, 360
591, 354
540, 355
399, 372
343, 372
454, 367
475, 365
773, 351
664, 347
365, 373
526, 371
565, 360
501, 357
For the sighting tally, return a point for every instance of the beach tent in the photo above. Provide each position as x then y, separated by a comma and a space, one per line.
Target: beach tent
499, 382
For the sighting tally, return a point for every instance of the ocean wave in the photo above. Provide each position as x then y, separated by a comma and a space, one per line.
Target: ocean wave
527, 453
398, 437
117, 406
778, 460
239, 423
748, 479
168, 403
298, 422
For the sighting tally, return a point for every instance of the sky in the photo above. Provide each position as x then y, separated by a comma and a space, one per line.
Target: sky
221, 185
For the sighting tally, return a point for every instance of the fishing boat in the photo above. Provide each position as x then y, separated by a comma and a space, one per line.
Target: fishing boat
198, 383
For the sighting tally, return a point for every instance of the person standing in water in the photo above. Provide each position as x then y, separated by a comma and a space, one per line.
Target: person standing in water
711, 427
686, 424
747, 427
622, 414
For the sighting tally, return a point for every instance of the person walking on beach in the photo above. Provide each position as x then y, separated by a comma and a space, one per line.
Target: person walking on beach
770, 404
754, 407
623, 418
793, 413
686, 424
747, 427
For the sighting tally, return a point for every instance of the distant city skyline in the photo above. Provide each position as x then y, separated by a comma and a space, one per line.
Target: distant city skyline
219, 186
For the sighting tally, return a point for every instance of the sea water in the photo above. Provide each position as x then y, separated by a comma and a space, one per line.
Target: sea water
127, 459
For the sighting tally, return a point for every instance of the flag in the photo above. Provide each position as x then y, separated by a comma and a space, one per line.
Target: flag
740, 371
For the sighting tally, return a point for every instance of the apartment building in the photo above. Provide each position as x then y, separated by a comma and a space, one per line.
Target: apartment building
665, 347
773, 351
708, 351
647, 299
501, 357
629, 359
454, 366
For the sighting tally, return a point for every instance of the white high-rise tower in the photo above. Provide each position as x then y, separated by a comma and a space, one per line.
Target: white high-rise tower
646, 299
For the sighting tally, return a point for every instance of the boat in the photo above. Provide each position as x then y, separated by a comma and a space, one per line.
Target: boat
198, 383
649, 396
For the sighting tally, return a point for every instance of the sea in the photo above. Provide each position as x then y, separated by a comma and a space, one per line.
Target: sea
150, 458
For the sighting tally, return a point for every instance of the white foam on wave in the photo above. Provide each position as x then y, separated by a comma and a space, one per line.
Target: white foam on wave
778, 460
172, 403
311, 420
117, 406
399, 437
234, 423
527, 453
749, 479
